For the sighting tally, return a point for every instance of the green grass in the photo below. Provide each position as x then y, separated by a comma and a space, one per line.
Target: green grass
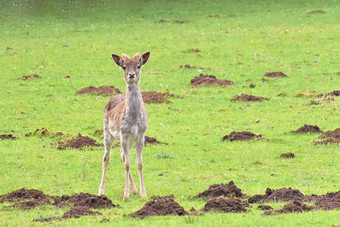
249, 38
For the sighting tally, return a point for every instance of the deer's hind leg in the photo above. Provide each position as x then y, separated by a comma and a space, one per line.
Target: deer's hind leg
108, 141
139, 148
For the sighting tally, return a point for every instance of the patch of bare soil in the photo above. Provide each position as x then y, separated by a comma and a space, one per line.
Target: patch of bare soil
182, 21
248, 98
287, 155
79, 142
226, 205
241, 136
293, 207
156, 97
193, 67
318, 11
274, 74
329, 137
264, 207
44, 132
334, 93
7, 137
152, 140
29, 77
279, 195
217, 190
308, 129
160, 206
103, 90
161, 21
208, 80
82, 202
77, 212
327, 202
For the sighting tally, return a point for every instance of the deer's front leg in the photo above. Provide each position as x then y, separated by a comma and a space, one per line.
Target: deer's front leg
139, 149
127, 164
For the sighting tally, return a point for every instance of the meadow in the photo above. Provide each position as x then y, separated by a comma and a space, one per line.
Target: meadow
234, 40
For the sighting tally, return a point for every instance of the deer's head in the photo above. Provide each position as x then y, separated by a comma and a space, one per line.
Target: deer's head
131, 66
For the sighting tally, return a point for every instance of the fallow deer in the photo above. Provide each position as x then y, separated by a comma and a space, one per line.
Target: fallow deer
125, 119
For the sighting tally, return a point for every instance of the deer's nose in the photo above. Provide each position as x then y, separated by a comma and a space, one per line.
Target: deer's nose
131, 75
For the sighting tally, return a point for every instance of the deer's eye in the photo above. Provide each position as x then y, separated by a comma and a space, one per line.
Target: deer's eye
124, 67
138, 67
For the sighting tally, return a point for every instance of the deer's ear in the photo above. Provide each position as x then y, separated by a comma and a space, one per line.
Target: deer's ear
118, 60
145, 57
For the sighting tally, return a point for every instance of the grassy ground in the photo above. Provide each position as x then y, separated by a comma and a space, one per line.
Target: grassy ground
238, 40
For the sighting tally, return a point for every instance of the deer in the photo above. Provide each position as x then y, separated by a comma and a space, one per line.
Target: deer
125, 119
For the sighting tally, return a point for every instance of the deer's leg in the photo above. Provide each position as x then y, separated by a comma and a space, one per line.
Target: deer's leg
139, 149
132, 183
108, 141
126, 150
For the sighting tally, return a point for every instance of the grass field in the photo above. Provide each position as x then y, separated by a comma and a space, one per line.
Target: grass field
237, 41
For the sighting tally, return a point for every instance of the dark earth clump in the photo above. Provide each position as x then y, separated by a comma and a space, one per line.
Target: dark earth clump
77, 212
82, 202
293, 207
193, 67
160, 206
265, 207
241, 136
287, 155
248, 98
44, 132
103, 90
152, 140
282, 194
22, 195
7, 137
29, 77
217, 190
156, 97
334, 93
275, 74
226, 205
329, 137
317, 11
308, 129
209, 80
79, 142
327, 202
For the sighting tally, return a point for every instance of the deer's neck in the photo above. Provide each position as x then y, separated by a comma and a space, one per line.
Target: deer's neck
133, 100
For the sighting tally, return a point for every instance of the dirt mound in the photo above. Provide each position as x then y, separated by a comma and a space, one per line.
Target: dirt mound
152, 140
22, 195
44, 132
334, 93
265, 207
308, 129
225, 205
82, 202
329, 137
275, 74
89, 201
329, 201
287, 155
7, 137
156, 97
193, 67
294, 207
241, 136
29, 77
76, 212
160, 206
282, 194
248, 98
103, 90
317, 11
79, 142
208, 80
217, 190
